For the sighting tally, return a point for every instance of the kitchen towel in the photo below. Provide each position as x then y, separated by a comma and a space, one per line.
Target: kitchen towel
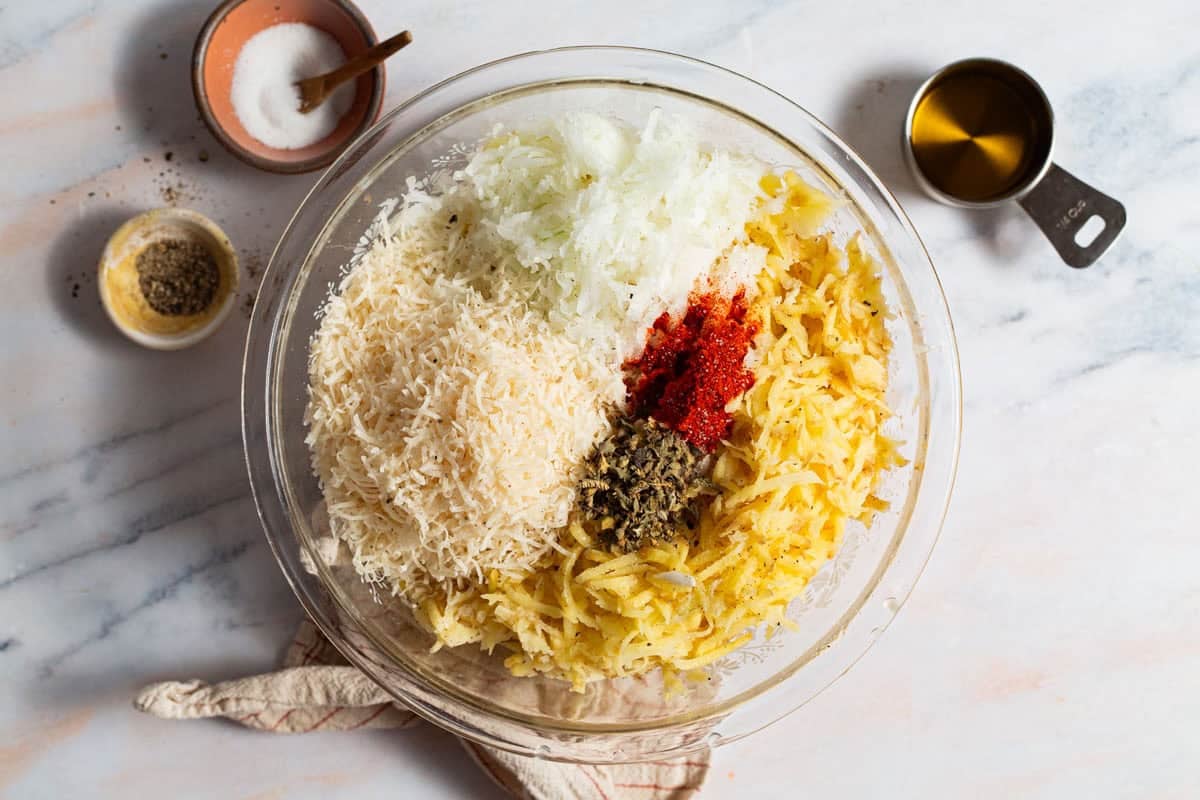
315, 689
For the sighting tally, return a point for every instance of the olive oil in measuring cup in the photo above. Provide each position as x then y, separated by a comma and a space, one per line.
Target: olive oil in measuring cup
976, 138
980, 132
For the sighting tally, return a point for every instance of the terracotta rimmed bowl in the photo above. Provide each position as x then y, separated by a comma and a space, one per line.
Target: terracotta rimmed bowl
221, 39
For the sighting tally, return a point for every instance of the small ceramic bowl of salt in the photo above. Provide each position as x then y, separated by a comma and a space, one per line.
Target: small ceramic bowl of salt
248, 57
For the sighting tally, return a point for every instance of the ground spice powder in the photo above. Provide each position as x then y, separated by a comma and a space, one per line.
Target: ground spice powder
690, 370
178, 277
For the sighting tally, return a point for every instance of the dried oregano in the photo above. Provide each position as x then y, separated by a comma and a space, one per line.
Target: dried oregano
643, 484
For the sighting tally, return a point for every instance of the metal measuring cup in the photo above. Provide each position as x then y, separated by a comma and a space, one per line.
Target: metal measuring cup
1058, 202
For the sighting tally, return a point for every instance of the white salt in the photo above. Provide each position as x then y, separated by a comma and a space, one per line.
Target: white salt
264, 94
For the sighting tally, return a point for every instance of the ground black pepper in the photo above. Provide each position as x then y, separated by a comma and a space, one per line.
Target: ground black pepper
178, 277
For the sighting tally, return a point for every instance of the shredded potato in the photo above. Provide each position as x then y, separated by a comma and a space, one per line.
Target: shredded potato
805, 456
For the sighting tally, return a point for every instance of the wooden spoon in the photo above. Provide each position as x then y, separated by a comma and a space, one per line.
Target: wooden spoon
314, 91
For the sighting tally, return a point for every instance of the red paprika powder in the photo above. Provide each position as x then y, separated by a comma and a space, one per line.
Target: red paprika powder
690, 370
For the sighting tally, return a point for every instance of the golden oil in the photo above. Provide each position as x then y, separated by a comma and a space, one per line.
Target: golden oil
976, 137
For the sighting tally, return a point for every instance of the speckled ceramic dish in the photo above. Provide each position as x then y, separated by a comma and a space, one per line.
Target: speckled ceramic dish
118, 279
222, 38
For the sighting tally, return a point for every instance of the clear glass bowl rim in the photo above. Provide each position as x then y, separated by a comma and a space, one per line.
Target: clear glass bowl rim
270, 497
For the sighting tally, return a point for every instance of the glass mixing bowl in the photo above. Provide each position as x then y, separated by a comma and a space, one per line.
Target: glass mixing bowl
845, 607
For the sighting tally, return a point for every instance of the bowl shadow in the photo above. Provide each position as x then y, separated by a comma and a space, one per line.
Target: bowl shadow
153, 76
71, 276
871, 117
153, 88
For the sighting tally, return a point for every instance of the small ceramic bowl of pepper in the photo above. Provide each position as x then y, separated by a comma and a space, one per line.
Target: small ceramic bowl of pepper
168, 278
215, 57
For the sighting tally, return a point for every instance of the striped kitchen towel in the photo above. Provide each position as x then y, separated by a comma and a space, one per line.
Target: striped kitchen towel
317, 690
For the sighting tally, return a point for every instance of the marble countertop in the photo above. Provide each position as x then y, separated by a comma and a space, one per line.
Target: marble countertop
1052, 648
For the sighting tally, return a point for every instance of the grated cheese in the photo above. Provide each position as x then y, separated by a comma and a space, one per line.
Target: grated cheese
447, 428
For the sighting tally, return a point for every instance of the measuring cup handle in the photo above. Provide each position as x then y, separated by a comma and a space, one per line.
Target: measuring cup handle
1060, 204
